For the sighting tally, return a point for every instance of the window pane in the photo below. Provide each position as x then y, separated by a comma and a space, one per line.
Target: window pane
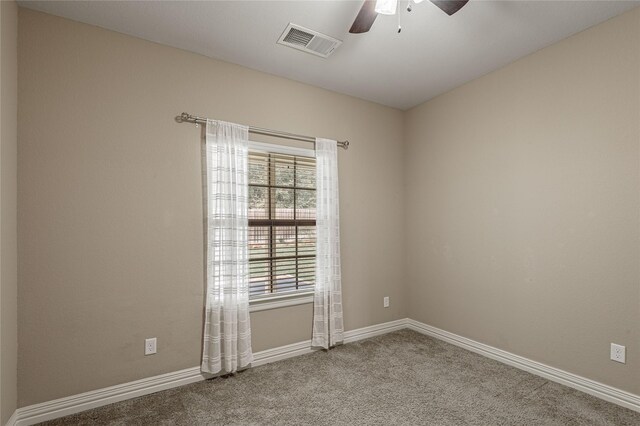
259, 274
284, 171
258, 202
285, 277
259, 170
306, 175
285, 241
306, 240
258, 242
284, 203
306, 273
259, 286
305, 204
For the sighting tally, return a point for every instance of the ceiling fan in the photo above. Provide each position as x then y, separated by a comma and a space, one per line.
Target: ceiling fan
371, 8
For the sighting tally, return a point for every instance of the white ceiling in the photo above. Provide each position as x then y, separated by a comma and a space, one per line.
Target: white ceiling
433, 54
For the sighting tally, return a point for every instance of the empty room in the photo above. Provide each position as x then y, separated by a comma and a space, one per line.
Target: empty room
357, 212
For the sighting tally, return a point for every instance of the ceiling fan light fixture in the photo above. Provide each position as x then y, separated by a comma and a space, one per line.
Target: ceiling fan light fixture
418, 1
386, 7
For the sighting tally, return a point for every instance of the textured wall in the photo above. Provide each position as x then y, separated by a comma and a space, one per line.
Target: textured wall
8, 238
110, 209
522, 205
521, 209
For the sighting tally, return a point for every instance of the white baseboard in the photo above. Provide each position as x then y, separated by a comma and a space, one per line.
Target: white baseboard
12, 419
37, 413
597, 389
374, 330
301, 348
85, 401
74, 404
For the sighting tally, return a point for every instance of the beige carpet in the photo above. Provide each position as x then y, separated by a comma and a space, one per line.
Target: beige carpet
402, 378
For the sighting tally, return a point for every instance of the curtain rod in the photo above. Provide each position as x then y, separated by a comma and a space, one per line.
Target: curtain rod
188, 118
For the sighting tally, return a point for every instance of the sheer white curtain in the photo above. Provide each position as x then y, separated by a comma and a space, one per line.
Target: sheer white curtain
227, 331
328, 328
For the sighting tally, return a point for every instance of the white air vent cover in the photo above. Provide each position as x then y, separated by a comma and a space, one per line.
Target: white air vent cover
308, 40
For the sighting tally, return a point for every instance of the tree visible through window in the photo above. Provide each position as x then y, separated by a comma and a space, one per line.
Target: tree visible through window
282, 223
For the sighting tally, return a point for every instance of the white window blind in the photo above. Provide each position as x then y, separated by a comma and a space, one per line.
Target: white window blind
282, 223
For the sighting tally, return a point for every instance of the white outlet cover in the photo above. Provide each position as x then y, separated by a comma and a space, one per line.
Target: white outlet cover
385, 302
618, 353
150, 346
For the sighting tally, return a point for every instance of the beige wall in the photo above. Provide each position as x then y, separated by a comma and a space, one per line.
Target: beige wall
8, 239
110, 209
522, 205
520, 220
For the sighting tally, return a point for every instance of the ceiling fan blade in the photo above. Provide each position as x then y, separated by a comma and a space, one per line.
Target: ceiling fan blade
365, 18
449, 6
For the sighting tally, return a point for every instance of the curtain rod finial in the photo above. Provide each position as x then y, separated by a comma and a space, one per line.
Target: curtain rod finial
183, 117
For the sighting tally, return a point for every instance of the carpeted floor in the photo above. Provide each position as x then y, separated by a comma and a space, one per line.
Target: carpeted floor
399, 378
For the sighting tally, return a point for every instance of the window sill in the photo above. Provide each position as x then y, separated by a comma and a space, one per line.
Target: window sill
275, 302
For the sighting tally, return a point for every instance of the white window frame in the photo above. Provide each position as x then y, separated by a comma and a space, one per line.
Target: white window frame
299, 297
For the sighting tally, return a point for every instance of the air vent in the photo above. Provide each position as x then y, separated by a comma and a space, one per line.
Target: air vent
308, 41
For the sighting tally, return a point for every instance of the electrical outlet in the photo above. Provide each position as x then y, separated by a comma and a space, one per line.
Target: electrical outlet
150, 347
385, 302
618, 353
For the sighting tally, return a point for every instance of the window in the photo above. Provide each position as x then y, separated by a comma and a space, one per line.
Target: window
282, 224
